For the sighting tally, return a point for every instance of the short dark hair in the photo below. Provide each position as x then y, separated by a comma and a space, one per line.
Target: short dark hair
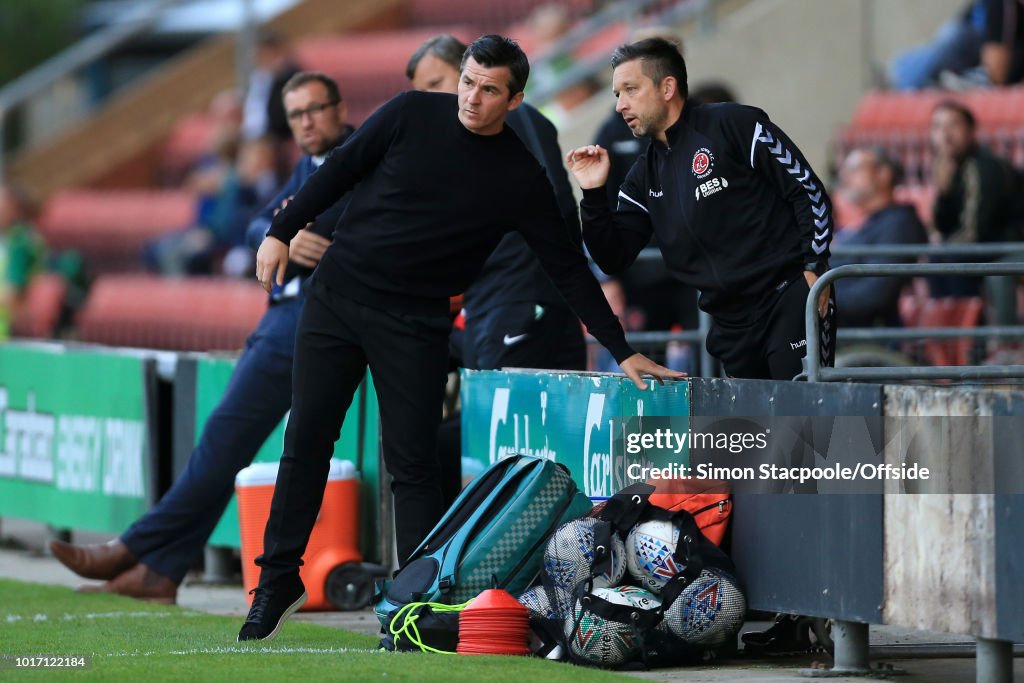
960, 108
886, 160
493, 50
303, 77
445, 47
269, 37
659, 59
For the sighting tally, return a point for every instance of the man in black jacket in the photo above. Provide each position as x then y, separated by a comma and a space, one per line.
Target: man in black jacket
436, 181
737, 211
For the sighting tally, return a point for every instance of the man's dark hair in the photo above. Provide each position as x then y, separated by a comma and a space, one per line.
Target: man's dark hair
445, 47
303, 77
884, 159
712, 92
960, 108
268, 37
659, 59
492, 50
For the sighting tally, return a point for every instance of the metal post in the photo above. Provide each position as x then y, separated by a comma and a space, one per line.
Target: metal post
707, 363
812, 364
851, 642
812, 359
995, 661
217, 564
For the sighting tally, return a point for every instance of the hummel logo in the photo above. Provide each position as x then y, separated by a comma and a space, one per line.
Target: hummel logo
656, 194
798, 345
510, 341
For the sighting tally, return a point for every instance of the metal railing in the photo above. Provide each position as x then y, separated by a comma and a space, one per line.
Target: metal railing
902, 250
75, 58
651, 340
812, 364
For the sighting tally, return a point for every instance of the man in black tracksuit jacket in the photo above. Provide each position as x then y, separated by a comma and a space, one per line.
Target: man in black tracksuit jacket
738, 213
436, 180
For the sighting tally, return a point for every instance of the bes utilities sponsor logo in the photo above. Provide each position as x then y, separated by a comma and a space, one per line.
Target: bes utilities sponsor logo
703, 163
706, 189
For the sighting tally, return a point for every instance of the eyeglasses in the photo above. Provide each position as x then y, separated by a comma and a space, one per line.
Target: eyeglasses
296, 115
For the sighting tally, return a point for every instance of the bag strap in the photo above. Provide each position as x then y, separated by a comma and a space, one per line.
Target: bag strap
687, 555
626, 507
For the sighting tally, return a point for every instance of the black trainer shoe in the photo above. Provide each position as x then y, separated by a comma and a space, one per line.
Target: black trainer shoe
791, 634
271, 605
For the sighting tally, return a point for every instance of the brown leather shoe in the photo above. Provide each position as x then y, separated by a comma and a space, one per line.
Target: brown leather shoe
102, 561
139, 582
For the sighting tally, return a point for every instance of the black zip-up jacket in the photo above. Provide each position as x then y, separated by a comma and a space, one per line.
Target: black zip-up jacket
737, 210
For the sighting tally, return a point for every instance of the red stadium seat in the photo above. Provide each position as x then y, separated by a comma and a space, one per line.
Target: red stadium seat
369, 68
110, 227
922, 197
959, 312
190, 139
191, 314
39, 312
484, 17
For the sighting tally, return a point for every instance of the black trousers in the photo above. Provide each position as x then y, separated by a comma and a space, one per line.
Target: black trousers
774, 345
408, 358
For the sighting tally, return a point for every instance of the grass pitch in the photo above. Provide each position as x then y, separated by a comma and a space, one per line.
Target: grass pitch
128, 640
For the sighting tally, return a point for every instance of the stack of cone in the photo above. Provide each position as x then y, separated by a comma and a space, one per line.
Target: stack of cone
495, 623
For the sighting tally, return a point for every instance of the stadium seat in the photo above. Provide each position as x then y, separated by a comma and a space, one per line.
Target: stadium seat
369, 68
191, 314
484, 17
950, 312
921, 197
39, 312
189, 140
109, 227
899, 122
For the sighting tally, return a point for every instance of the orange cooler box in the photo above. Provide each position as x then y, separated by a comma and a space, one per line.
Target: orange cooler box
335, 537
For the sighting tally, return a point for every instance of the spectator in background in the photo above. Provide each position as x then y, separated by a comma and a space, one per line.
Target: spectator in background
263, 112
151, 558
228, 195
712, 92
982, 46
979, 195
1002, 46
547, 24
22, 252
955, 47
867, 178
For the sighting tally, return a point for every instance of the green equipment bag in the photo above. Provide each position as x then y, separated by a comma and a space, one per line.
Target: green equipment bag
492, 537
